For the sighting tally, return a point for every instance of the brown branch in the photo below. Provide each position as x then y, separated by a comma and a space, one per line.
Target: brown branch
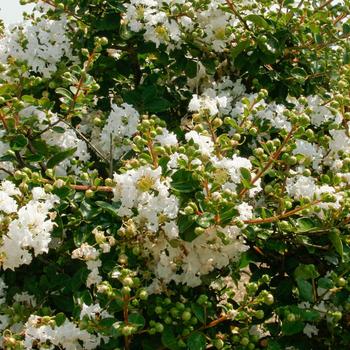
324, 5
237, 14
152, 153
274, 157
281, 216
3, 120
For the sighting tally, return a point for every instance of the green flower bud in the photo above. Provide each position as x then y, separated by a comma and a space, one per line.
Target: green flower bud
259, 314
199, 230
291, 317
218, 343
89, 193
186, 316
158, 310
341, 282
244, 341
269, 299
128, 281
159, 327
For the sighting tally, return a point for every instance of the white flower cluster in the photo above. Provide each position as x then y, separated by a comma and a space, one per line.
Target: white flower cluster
228, 98
91, 256
66, 336
143, 189
312, 153
300, 186
166, 138
41, 43
218, 98
93, 312
121, 124
317, 110
29, 227
232, 167
169, 22
188, 262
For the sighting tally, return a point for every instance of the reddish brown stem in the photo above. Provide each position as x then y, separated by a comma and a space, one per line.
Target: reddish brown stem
269, 163
153, 153
281, 216
237, 14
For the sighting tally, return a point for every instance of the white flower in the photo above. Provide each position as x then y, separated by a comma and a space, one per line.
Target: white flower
85, 252
92, 311
205, 143
245, 211
42, 44
66, 336
144, 190
94, 276
26, 298
171, 230
310, 330
340, 141
310, 151
121, 124
186, 264
30, 230
301, 186
166, 138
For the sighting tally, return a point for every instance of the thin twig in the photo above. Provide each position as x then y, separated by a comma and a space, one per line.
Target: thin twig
237, 14
281, 216
273, 157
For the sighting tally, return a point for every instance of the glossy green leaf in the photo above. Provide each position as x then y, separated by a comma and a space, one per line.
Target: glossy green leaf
60, 157
196, 341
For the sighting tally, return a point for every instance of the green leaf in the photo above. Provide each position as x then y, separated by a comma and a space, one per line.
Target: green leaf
109, 207
246, 174
60, 318
191, 69
305, 290
184, 222
196, 341
290, 328
305, 224
18, 143
58, 129
305, 272
273, 345
169, 340
60, 157
239, 48
346, 57
158, 104
40, 146
28, 98
82, 235
334, 237
299, 74
227, 215
184, 182
137, 319
64, 92
325, 283
258, 21
346, 28
198, 312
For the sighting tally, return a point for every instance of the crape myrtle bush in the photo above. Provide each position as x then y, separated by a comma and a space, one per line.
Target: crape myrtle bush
175, 174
